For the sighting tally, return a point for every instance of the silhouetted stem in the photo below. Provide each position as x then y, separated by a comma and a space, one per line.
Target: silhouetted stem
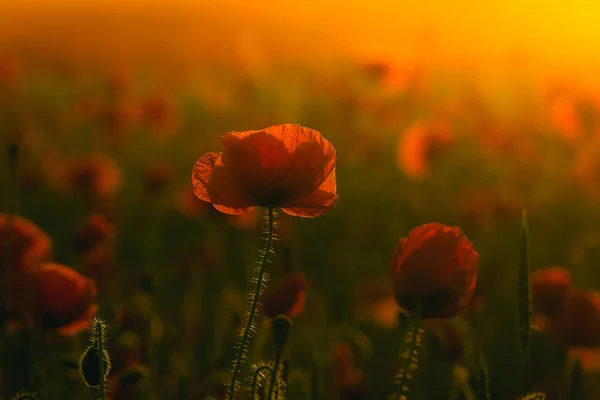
274, 374
254, 306
411, 351
254, 386
101, 365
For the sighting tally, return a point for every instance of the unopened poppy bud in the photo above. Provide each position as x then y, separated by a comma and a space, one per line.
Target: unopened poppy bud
89, 366
280, 330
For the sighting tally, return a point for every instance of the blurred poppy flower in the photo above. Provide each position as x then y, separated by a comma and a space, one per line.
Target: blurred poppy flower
550, 287
482, 207
375, 303
60, 298
96, 176
564, 115
347, 374
98, 263
578, 323
160, 113
436, 267
26, 245
287, 296
448, 343
127, 351
285, 166
95, 230
11, 71
157, 177
420, 144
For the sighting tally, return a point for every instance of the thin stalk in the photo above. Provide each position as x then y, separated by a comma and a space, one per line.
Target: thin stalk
101, 360
274, 374
411, 351
254, 305
257, 374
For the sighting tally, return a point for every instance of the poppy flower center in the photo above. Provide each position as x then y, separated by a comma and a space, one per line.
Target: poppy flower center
274, 198
432, 302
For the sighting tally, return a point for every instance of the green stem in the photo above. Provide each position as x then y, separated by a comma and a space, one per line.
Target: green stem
411, 351
254, 306
254, 386
101, 366
274, 374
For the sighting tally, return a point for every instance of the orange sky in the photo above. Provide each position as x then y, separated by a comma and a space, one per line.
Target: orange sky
543, 36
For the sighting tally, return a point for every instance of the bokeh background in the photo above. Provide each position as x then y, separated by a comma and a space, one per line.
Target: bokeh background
458, 112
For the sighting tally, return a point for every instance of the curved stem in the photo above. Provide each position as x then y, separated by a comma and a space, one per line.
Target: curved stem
254, 386
411, 351
274, 375
254, 306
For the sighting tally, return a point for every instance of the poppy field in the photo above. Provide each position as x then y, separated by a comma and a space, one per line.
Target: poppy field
377, 230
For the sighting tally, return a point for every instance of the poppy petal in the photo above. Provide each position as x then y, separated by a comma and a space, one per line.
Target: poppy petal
260, 163
233, 137
224, 192
201, 174
312, 154
315, 204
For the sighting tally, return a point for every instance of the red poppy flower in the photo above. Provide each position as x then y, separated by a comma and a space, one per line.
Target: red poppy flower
578, 323
285, 166
94, 231
436, 267
62, 299
157, 177
28, 245
420, 145
95, 176
287, 297
550, 287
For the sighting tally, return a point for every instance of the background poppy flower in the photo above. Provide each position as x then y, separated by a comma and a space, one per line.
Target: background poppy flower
436, 267
96, 176
285, 166
286, 297
61, 298
550, 287
578, 323
27, 245
94, 231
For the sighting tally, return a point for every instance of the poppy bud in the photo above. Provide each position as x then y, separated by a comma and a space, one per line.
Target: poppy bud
280, 327
89, 366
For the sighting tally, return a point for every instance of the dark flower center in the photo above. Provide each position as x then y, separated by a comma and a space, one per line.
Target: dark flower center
274, 198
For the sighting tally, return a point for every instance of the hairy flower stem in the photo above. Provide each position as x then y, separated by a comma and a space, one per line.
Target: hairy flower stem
257, 376
411, 351
101, 366
274, 374
254, 305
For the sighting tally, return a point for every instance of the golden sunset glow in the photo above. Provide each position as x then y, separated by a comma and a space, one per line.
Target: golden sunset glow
534, 37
